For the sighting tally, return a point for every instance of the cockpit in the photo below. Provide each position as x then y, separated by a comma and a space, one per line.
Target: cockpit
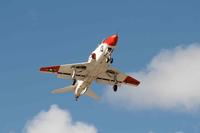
108, 49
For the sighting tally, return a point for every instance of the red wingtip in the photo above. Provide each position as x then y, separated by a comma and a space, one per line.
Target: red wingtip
50, 69
132, 81
111, 40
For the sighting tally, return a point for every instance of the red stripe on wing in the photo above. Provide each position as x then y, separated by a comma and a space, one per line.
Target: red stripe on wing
130, 80
51, 69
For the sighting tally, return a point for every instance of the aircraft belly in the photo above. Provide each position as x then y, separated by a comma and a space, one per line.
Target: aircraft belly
96, 68
92, 74
82, 87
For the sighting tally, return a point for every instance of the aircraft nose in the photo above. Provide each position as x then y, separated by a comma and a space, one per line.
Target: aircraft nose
111, 40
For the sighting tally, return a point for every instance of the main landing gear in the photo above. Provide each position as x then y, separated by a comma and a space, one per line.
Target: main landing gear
76, 98
74, 82
73, 73
73, 76
115, 88
111, 60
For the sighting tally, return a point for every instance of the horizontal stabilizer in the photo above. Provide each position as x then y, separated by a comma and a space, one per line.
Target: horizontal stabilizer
92, 94
64, 90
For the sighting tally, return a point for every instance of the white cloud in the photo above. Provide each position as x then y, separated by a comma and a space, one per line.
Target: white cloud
12, 131
151, 132
175, 132
171, 81
57, 120
179, 132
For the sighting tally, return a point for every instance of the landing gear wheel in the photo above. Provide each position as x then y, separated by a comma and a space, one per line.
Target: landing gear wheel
111, 60
115, 88
76, 98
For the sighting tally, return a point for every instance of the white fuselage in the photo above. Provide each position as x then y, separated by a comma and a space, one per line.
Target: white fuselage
99, 61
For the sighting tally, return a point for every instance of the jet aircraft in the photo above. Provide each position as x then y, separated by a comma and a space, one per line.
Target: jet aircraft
98, 68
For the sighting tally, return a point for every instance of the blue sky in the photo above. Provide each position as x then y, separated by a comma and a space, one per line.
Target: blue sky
41, 33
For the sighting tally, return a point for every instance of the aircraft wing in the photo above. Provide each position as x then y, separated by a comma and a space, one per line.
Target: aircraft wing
66, 71
113, 76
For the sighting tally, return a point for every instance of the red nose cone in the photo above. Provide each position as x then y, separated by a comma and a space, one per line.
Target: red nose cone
112, 40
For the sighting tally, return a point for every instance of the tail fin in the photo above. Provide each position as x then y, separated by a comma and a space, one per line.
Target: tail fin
91, 94
64, 90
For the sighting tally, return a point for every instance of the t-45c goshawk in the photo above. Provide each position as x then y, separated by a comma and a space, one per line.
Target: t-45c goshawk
97, 68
